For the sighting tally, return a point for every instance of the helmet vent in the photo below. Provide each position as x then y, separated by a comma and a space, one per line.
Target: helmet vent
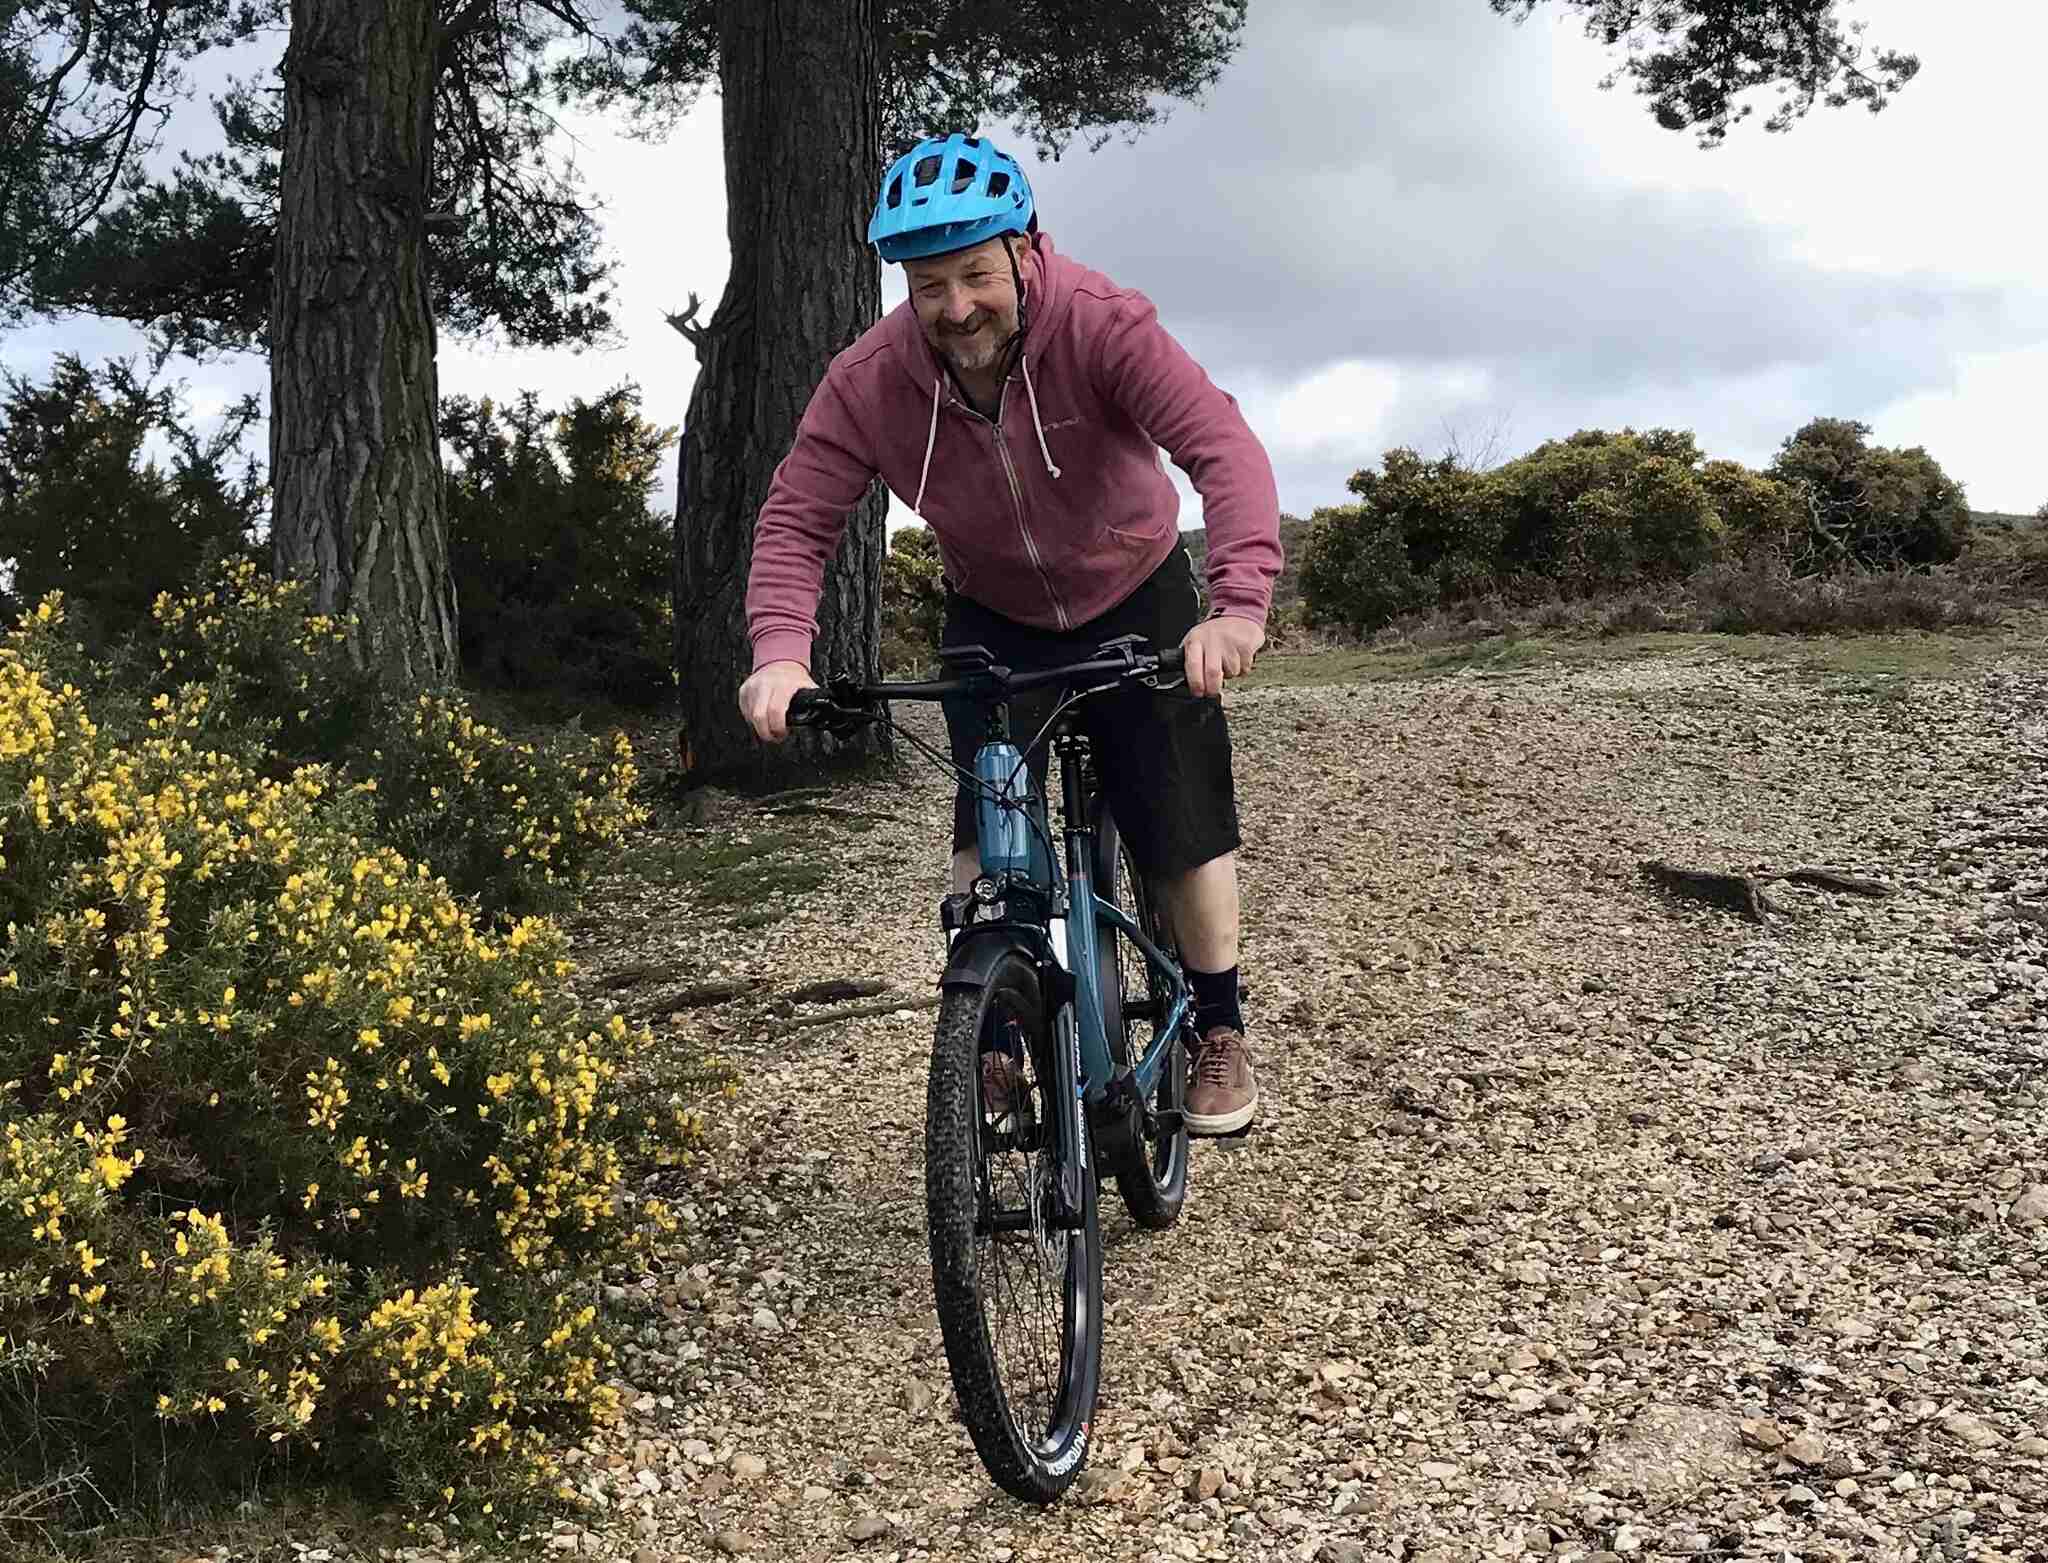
963, 176
998, 184
926, 171
895, 196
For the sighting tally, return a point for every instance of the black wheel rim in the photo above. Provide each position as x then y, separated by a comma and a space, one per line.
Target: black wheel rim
1034, 1291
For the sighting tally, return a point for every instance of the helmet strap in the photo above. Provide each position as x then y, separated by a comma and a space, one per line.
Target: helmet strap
1016, 342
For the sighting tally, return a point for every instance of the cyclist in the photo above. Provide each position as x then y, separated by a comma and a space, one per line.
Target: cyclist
1020, 402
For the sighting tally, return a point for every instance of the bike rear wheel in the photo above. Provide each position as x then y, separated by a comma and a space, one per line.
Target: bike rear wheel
1019, 1300
1152, 1172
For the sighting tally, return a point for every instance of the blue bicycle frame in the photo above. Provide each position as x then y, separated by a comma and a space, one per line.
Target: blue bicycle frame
1016, 856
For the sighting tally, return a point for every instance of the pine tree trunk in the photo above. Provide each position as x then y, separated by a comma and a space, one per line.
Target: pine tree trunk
354, 459
801, 90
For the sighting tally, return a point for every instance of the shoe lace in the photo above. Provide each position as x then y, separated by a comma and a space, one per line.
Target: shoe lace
1213, 1065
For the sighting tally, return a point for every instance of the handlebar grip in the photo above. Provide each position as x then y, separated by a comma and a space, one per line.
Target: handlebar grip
1171, 661
807, 707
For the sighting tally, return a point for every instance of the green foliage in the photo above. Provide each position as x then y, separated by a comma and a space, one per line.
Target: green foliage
1869, 504
1696, 60
515, 249
1048, 68
1758, 514
1355, 572
86, 88
560, 563
913, 600
295, 1155
508, 822
84, 511
1587, 513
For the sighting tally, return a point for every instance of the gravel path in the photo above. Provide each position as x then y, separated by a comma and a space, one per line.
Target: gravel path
1579, 1222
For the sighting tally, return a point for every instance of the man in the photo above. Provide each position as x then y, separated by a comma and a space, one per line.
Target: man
1020, 401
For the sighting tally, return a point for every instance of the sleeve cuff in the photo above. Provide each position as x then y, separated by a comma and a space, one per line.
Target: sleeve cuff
782, 646
1237, 610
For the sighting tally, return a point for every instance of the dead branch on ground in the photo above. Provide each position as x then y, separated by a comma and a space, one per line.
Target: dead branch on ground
1744, 893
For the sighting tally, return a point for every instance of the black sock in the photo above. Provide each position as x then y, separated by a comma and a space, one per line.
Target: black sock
1215, 1000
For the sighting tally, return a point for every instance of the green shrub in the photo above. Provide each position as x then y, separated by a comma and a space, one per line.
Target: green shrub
913, 600
1355, 573
509, 822
561, 565
85, 513
294, 1154
1870, 505
1758, 514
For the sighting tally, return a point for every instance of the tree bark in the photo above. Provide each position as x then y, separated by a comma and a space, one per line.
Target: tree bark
354, 459
801, 89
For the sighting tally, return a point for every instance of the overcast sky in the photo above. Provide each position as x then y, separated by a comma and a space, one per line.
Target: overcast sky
1395, 221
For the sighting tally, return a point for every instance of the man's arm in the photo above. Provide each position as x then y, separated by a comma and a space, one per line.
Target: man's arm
827, 470
1150, 375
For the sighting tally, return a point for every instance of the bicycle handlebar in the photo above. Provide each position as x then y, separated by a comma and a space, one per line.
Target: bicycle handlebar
844, 704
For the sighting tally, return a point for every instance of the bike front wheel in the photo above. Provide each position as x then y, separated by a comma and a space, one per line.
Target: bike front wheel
1019, 1295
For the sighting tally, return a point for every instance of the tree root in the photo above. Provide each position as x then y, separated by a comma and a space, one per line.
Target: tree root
1744, 893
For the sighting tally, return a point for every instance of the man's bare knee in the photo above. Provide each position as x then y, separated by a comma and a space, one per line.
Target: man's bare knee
966, 869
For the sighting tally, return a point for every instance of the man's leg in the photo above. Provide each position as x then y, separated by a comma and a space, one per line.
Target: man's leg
1202, 904
1202, 907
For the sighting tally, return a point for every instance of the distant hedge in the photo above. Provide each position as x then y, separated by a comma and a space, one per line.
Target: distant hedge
1599, 511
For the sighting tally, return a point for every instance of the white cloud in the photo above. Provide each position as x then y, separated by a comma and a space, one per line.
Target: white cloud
1383, 225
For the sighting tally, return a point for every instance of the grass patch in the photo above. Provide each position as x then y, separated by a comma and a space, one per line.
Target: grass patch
274, 1523
748, 866
1883, 657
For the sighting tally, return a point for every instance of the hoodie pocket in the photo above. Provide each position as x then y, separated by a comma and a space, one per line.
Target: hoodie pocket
1131, 542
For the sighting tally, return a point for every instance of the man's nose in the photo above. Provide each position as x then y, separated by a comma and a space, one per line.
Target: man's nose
959, 308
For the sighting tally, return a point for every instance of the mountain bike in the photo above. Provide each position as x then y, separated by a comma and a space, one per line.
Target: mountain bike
1060, 1059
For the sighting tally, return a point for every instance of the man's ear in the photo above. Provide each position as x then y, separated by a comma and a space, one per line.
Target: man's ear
1026, 257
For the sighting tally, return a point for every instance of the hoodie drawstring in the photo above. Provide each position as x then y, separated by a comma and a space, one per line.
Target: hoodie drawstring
1036, 423
931, 438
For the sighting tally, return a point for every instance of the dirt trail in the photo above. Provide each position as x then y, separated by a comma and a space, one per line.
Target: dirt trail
1578, 1222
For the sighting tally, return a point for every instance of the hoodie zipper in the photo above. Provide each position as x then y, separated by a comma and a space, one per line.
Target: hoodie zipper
1017, 499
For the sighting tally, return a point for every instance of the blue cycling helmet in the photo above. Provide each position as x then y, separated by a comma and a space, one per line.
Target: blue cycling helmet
948, 193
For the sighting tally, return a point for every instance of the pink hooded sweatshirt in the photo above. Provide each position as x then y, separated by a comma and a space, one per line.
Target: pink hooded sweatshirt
1052, 514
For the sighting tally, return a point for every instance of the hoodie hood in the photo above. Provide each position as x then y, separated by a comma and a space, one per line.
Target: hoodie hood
1050, 297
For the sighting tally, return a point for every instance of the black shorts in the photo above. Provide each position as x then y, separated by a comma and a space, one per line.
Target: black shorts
1163, 755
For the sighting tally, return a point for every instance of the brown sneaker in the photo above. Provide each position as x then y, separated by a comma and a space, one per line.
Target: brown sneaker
1223, 1096
1004, 1089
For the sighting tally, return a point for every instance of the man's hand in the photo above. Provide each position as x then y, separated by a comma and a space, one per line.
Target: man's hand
765, 697
1218, 649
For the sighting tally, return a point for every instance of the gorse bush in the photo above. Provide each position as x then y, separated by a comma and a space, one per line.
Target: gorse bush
1869, 505
913, 600
297, 1156
510, 822
85, 512
561, 565
1600, 512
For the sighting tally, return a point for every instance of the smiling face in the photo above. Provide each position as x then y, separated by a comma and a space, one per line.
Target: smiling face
967, 304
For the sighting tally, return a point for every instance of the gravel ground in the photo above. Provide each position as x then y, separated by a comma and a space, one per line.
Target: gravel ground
1579, 1222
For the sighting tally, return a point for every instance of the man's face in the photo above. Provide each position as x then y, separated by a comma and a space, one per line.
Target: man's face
966, 302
